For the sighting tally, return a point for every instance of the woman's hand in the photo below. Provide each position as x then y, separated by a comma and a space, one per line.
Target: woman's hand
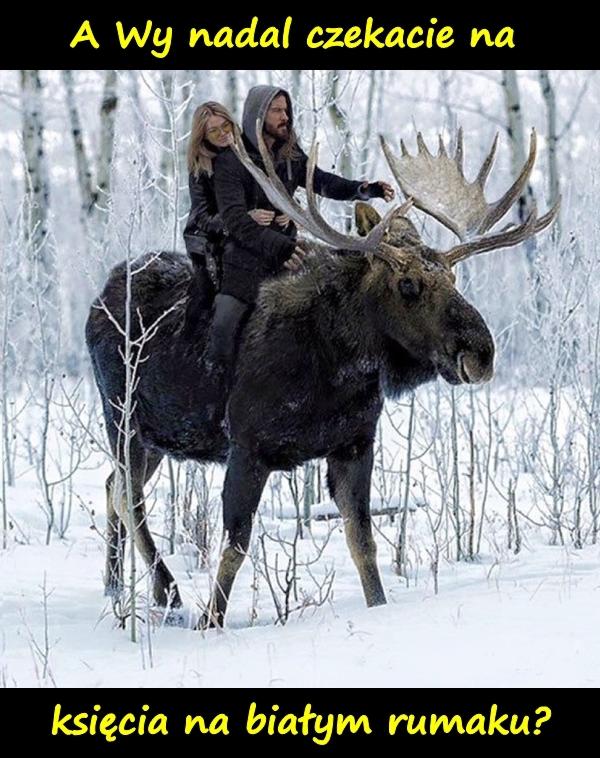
296, 261
282, 220
261, 216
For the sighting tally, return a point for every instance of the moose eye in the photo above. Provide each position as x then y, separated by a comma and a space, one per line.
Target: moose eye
410, 288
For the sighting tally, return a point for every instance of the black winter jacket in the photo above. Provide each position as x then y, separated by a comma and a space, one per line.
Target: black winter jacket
265, 248
203, 231
253, 252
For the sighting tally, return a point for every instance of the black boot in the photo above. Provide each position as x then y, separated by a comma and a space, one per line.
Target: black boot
203, 282
201, 295
220, 351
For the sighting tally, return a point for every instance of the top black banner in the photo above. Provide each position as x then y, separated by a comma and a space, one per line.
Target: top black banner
204, 36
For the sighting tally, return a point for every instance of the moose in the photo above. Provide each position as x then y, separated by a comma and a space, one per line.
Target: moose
369, 316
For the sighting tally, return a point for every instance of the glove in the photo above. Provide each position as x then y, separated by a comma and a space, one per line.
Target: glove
374, 189
369, 191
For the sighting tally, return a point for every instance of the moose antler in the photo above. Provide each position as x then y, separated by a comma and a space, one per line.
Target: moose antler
309, 218
438, 187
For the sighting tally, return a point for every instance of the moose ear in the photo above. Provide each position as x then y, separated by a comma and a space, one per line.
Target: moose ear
366, 218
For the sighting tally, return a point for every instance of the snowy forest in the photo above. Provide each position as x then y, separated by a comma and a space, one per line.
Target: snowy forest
485, 499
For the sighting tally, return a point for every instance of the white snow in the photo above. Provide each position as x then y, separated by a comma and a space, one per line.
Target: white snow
504, 621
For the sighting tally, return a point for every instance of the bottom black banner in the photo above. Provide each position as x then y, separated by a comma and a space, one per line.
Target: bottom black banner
322, 720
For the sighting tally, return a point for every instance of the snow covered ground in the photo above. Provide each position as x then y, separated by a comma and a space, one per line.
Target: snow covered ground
504, 620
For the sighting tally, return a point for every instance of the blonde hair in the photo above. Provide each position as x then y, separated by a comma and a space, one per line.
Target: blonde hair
199, 155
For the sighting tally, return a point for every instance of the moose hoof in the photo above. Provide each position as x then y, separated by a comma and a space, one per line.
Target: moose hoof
177, 617
167, 597
208, 620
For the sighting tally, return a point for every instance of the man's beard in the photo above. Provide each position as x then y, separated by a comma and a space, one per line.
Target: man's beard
279, 132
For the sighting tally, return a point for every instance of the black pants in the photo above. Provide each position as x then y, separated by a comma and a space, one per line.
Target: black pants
229, 317
207, 277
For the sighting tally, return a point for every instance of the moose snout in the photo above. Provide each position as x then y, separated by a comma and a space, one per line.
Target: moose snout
476, 365
470, 348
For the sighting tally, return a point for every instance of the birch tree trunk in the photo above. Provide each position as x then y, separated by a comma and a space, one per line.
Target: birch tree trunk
37, 185
94, 184
84, 171
340, 123
296, 88
166, 157
192, 96
95, 196
173, 110
364, 153
309, 492
342, 128
445, 79
108, 117
516, 133
140, 124
41, 346
232, 93
552, 137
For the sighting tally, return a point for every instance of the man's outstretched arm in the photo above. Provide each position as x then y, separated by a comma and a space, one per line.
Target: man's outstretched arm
338, 188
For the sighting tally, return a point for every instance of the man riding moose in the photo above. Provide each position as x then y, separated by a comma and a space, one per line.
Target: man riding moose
261, 239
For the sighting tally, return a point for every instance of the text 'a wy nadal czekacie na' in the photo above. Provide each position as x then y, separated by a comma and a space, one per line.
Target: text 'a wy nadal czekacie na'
159, 40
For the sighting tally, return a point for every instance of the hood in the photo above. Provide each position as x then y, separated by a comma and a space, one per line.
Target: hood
257, 103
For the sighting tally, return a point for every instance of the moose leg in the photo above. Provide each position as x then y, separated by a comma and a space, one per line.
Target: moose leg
164, 588
115, 528
143, 465
115, 543
244, 483
349, 480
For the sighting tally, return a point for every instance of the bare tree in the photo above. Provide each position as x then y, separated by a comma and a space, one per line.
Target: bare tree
232, 93
37, 188
340, 123
518, 153
42, 272
368, 131
108, 113
94, 193
283, 581
552, 136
